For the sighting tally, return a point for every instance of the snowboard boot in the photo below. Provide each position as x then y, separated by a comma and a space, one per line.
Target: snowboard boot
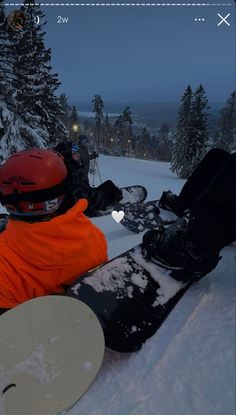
169, 248
169, 201
117, 196
111, 193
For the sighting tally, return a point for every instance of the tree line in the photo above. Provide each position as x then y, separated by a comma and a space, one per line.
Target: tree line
184, 145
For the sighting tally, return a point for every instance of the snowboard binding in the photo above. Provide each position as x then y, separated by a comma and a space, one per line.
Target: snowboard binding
171, 249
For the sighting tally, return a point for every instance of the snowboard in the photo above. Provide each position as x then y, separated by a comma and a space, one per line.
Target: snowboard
140, 217
131, 297
51, 349
131, 194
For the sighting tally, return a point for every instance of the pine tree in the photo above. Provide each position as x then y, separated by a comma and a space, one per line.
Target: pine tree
35, 83
164, 143
14, 131
66, 110
74, 125
199, 133
180, 156
30, 113
6, 105
191, 136
124, 118
143, 143
227, 125
129, 139
107, 132
98, 106
123, 121
25, 78
86, 126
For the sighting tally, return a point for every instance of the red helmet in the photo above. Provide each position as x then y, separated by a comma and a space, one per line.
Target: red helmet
33, 182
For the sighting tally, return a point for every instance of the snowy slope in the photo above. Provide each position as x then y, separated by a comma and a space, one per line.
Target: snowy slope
188, 367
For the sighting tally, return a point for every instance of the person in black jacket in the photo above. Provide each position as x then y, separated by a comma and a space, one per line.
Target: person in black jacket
192, 246
100, 197
85, 156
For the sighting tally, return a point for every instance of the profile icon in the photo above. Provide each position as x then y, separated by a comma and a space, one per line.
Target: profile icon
17, 20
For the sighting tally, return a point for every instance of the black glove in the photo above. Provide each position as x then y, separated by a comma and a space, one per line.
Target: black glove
95, 200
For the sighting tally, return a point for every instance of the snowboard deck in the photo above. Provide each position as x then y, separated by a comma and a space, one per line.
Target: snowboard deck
131, 194
131, 297
51, 349
140, 217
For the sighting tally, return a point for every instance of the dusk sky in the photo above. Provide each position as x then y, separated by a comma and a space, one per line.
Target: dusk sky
142, 54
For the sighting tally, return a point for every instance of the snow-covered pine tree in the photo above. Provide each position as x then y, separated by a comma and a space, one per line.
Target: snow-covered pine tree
35, 83
191, 136
66, 108
227, 125
164, 143
13, 129
199, 132
181, 159
6, 104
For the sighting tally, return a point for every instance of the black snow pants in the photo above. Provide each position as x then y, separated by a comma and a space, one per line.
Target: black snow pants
111, 193
210, 194
101, 197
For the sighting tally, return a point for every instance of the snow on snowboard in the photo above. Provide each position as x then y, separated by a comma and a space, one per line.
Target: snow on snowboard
51, 349
131, 297
143, 216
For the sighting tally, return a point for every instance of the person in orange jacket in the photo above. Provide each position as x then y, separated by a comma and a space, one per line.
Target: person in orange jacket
47, 243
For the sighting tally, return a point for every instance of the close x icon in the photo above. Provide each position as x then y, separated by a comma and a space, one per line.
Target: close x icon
223, 20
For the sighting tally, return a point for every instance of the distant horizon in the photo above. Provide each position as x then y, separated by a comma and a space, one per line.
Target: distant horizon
151, 114
124, 102
118, 106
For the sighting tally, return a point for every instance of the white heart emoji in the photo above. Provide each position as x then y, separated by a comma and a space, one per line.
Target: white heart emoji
118, 216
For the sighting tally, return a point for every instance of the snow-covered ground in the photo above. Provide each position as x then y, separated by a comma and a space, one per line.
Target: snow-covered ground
188, 366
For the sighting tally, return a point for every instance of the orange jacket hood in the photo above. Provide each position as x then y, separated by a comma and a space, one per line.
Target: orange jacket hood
39, 258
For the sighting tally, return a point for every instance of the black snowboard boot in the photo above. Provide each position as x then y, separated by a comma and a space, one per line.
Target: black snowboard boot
169, 248
117, 195
111, 193
169, 201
